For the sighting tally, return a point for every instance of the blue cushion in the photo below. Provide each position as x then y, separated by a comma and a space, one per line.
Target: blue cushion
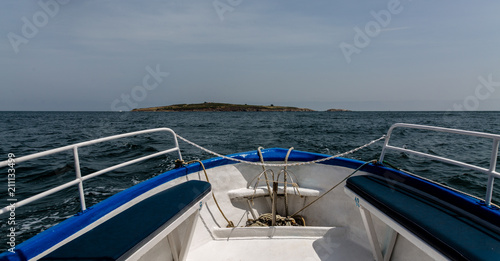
447, 227
116, 236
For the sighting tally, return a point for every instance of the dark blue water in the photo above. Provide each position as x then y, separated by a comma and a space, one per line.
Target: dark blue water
23, 133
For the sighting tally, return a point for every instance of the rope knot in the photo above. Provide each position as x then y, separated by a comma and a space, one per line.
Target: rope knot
179, 163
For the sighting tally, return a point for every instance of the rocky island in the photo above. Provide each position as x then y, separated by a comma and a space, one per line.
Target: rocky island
211, 106
337, 110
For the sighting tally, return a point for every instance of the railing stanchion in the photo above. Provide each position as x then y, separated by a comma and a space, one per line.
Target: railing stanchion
491, 178
79, 177
489, 190
177, 146
386, 142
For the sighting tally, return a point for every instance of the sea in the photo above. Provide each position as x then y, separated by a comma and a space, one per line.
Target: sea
330, 133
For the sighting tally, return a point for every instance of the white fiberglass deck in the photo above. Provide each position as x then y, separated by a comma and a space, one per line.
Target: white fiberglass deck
331, 246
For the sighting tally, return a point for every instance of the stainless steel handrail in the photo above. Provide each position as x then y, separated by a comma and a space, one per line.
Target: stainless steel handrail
491, 171
79, 179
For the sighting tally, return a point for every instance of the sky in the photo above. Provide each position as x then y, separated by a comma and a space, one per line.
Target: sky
110, 55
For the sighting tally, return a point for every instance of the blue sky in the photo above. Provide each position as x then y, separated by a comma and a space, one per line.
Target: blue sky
117, 55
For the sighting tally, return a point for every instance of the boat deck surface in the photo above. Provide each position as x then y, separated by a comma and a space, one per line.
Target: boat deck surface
328, 247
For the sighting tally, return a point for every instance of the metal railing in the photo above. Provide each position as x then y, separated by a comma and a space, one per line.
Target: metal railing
491, 171
79, 178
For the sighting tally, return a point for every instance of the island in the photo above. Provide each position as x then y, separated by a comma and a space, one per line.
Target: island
337, 110
212, 106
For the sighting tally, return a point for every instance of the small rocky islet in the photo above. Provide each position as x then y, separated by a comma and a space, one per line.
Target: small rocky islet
211, 106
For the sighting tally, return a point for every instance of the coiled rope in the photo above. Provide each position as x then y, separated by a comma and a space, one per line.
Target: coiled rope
279, 164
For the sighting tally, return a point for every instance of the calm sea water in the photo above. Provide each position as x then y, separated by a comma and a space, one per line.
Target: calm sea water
23, 133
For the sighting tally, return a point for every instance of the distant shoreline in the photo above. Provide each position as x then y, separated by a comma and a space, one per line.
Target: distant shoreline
211, 106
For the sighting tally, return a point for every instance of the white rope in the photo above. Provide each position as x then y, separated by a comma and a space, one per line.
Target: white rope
278, 164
